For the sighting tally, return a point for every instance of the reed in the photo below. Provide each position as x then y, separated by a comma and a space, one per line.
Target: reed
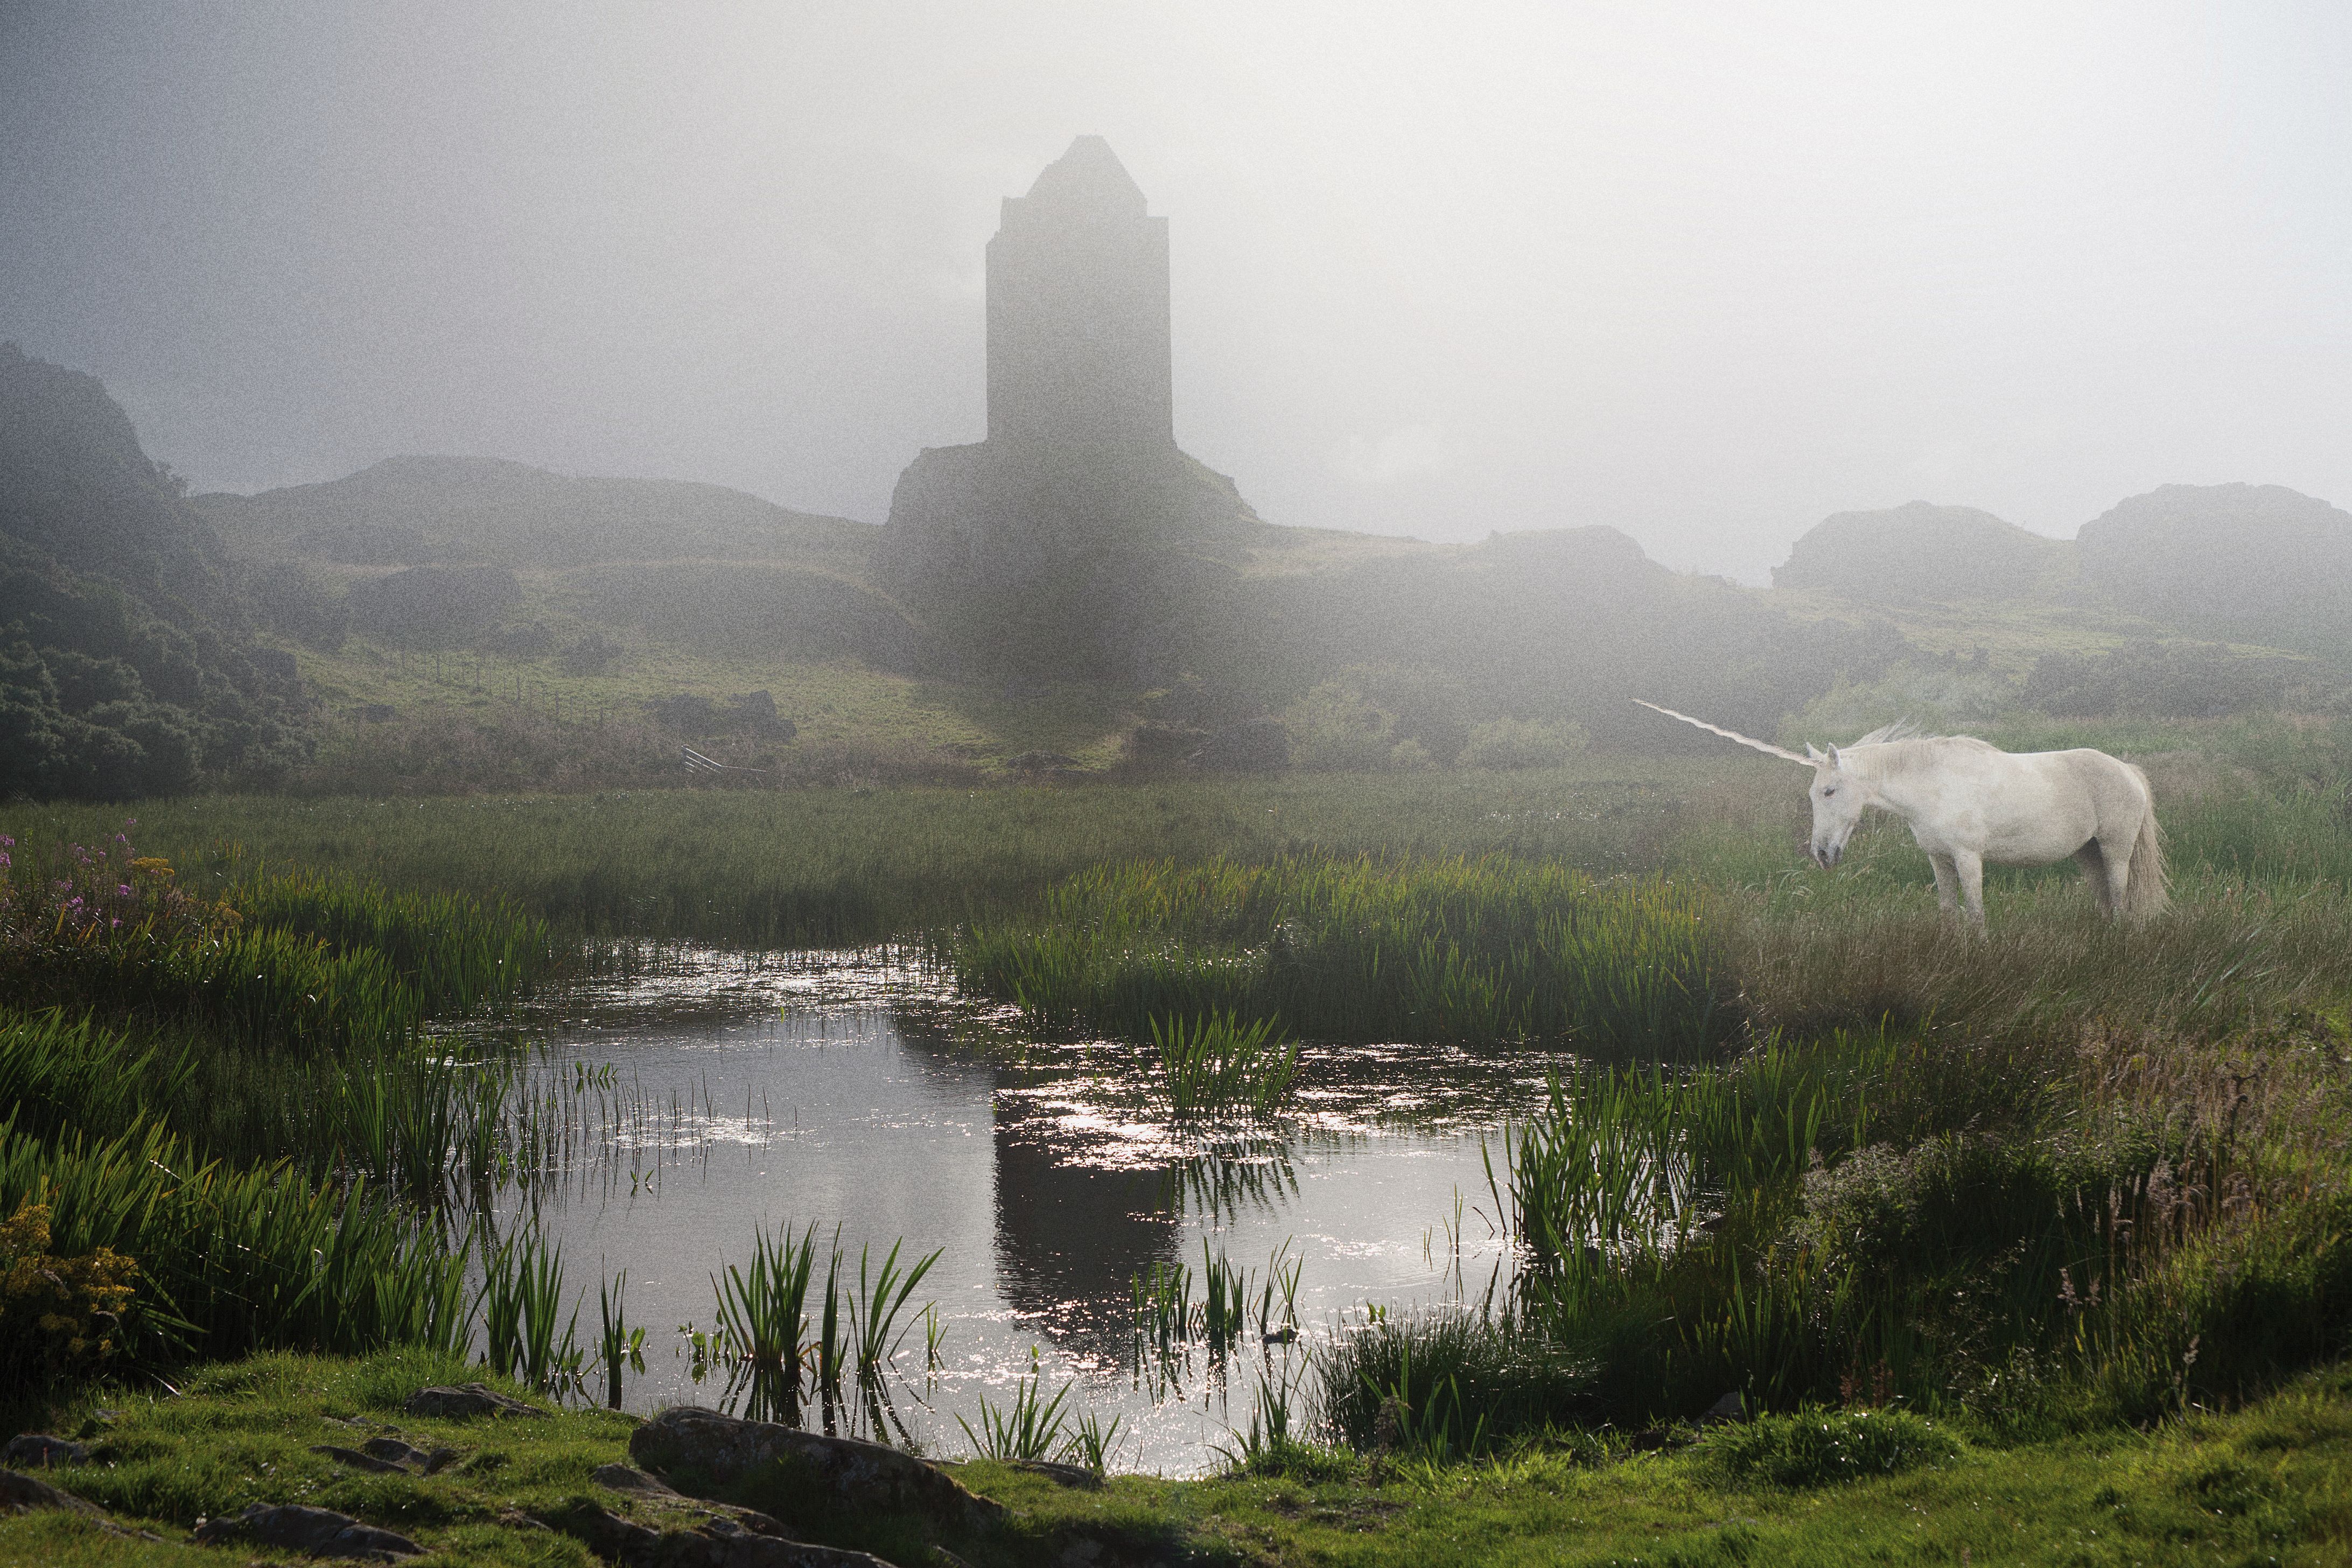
619, 1347
1215, 1066
1093, 1442
519, 1302
1449, 950
456, 952
875, 1309
1282, 1275
1225, 1303
1027, 1430
1163, 1307
1447, 1383
58, 1073
233, 1260
764, 1317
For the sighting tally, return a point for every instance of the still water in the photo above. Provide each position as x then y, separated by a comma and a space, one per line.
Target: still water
733, 1094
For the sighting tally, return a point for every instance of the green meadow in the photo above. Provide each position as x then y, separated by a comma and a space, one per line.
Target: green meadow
2030, 1247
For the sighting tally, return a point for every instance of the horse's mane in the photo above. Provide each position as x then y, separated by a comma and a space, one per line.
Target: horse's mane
1901, 757
1901, 730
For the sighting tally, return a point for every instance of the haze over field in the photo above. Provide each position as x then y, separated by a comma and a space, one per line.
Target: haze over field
1704, 274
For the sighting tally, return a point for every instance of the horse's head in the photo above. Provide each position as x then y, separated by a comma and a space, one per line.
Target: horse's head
1839, 795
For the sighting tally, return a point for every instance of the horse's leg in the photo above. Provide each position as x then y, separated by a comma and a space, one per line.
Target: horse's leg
1947, 883
1970, 866
2098, 874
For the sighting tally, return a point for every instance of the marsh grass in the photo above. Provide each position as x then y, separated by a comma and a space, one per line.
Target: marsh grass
619, 1348
763, 1316
1438, 950
1447, 1383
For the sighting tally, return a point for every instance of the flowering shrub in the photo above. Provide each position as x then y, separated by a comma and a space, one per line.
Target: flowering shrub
109, 895
68, 1309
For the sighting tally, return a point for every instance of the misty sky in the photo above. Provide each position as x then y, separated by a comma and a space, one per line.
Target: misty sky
1705, 272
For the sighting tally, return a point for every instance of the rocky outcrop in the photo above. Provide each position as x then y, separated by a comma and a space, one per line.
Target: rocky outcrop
466, 1401
716, 1543
1066, 562
38, 1451
317, 1532
703, 1453
1919, 552
2249, 561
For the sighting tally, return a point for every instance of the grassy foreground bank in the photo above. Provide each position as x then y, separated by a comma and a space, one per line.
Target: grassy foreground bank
2271, 1483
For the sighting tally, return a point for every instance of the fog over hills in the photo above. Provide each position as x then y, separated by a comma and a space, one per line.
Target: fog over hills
411, 510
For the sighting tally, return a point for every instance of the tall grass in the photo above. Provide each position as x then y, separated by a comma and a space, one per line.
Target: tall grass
520, 1301
232, 1261
1453, 950
57, 1073
828, 867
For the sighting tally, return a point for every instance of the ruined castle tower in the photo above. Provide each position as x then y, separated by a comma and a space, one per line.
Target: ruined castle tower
1077, 311
1073, 539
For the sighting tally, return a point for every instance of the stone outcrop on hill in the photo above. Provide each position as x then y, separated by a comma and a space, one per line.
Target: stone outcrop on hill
1067, 562
1919, 552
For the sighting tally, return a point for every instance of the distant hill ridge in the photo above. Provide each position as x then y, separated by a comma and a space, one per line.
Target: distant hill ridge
417, 510
2259, 563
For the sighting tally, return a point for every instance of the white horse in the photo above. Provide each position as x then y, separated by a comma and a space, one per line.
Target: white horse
1968, 802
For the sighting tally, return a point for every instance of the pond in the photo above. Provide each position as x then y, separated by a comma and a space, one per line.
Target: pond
730, 1095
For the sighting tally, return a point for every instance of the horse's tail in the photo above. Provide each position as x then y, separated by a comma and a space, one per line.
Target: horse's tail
2144, 889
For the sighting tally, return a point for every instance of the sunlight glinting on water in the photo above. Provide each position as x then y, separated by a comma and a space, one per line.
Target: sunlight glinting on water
713, 1096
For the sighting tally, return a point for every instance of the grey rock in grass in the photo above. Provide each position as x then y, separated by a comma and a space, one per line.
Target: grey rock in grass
360, 1461
465, 1401
38, 1451
319, 1531
21, 1493
628, 1478
1730, 1407
717, 1543
700, 1450
407, 1456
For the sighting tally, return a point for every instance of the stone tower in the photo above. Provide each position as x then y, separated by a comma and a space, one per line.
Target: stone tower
1077, 311
1077, 539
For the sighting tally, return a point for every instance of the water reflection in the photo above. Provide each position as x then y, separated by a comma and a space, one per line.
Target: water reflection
737, 1097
